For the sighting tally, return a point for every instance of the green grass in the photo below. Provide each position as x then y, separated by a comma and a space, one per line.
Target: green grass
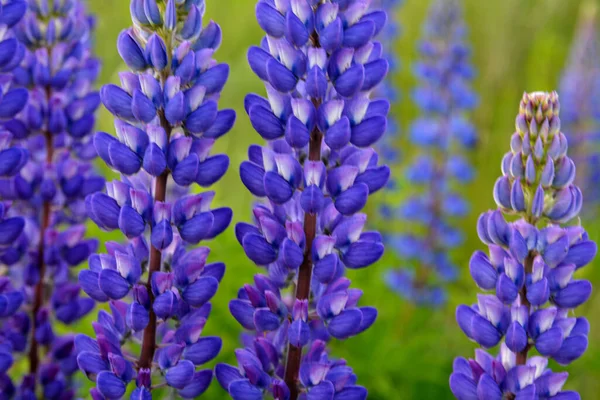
518, 45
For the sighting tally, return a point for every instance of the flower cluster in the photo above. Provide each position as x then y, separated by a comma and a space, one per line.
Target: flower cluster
530, 267
580, 86
49, 116
158, 290
443, 132
320, 66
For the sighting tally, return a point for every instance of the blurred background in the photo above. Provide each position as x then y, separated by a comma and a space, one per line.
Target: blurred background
518, 45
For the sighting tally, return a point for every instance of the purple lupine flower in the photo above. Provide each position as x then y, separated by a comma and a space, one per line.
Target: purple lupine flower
444, 135
320, 65
49, 114
158, 289
530, 268
580, 86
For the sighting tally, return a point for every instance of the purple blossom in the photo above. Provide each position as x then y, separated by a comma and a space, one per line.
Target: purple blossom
443, 136
581, 108
157, 287
529, 269
47, 112
320, 66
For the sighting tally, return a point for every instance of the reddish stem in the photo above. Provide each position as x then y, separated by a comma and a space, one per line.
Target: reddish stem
294, 354
522, 355
149, 339
38, 296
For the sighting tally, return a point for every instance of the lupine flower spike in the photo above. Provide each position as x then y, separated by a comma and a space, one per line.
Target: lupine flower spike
320, 65
529, 269
158, 289
444, 135
57, 75
580, 86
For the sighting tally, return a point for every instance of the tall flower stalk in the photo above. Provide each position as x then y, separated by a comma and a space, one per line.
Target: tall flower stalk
320, 65
580, 86
440, 169
58, 72
530, 266
158, 289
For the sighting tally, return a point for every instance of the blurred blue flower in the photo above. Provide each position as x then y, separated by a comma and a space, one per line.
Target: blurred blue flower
580, 111
444, 135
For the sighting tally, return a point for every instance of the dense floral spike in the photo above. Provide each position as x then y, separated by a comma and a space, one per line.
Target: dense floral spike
580, 86
55, 70
441, 168
158, 290
320, 66
530, 267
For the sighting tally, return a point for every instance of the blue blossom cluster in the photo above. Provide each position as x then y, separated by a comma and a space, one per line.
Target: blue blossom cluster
47, 108
579, 90
320, 66
441, 168
529, 269
158, 290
